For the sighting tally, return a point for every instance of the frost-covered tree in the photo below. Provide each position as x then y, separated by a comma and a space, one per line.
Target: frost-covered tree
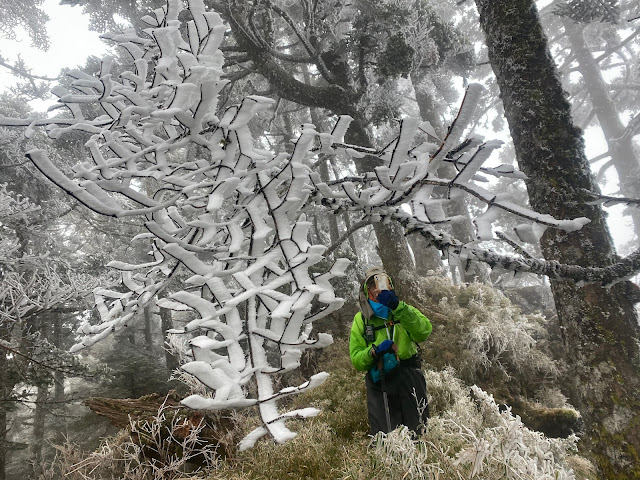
28, 16
34, 289
591, 42
338, 55
231, 216
599, 325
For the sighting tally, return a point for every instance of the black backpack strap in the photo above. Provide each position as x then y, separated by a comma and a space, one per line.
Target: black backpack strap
375, 329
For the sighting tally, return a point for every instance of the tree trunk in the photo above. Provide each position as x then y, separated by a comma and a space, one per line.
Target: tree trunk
39, 418
621, 149
464, 230
346, 218
148, 333
323, 169
42, 396
9, 377
58, 384
600, 325
427, 257
352, 241
4, 381
167, 324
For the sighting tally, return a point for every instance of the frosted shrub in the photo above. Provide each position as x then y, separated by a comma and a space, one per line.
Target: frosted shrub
448, 394
472, 438
396, 453
31, 283
506, 445
500, 335
483, 335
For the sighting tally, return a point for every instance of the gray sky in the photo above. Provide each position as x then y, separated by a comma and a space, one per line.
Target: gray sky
71, 43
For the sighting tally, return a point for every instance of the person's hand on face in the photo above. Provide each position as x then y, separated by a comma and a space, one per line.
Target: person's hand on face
373, 293
389, 299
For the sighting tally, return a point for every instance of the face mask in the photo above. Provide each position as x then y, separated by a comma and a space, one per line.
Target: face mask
379, 309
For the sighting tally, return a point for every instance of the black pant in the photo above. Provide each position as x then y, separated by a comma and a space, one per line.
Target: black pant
403, 403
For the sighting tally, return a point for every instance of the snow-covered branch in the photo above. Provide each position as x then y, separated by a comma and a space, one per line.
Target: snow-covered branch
31, 283
607, 276
607, 200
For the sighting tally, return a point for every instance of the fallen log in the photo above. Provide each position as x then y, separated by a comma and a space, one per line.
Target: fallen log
177, 420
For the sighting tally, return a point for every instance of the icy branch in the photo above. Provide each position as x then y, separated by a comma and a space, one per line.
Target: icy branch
608, 201
607, 276
28, 283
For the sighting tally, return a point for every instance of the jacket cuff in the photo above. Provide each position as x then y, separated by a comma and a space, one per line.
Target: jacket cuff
401, 304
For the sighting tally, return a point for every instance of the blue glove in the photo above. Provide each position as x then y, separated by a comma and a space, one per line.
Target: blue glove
388, 298
383, 347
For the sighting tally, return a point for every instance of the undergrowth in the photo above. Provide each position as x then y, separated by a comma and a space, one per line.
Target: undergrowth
479, 338
165, 447
468, 436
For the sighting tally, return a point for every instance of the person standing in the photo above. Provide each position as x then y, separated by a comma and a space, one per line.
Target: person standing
384, 342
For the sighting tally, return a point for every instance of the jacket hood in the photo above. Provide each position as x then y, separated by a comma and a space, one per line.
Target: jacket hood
365, 308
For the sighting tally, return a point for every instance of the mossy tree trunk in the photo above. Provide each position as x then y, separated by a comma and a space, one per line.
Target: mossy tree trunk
600, 325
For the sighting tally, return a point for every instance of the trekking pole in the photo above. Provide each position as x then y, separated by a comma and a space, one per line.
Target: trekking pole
384, 394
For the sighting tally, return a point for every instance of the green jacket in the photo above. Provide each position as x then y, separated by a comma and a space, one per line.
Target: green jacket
409, 327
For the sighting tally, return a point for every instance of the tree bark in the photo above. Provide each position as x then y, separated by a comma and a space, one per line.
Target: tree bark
600, 325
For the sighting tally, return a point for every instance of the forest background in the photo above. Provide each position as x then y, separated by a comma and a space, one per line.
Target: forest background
527, 345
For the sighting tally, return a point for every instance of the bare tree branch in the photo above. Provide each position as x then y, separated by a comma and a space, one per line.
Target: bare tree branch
345, 236
25, 73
